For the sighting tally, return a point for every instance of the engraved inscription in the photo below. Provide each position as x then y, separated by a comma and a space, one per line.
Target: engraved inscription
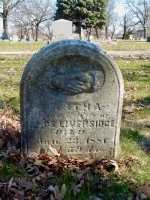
47, 142
75, 150
96, 140
74, 107
88, 120
80, 123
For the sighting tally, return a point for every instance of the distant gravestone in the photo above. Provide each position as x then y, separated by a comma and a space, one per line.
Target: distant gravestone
62, 29
15, 38
40, 40
71, 98
76, 36
3, 35
6, 40
23, 40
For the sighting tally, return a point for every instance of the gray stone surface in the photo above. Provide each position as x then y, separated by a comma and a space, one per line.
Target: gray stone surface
23, 41
61, 29
6, 40
3, 34
71, 97
15, 38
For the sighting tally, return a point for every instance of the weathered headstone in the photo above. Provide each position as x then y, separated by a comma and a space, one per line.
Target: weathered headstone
71, 98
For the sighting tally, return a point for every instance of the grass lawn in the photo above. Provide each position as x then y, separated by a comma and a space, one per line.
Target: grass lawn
126, 46
36, 45
19, 46
134, 155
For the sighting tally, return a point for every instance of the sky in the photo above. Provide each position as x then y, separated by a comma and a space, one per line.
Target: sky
119, 9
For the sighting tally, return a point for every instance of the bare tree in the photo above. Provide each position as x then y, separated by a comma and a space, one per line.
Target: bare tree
19, 22
114, 25
47, 29
127, 24
110, 14
141, 12
38, 12
33, 14
7, 7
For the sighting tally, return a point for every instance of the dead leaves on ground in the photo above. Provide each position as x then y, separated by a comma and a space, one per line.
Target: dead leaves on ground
9, 129
59, 195
44, 172
17, 189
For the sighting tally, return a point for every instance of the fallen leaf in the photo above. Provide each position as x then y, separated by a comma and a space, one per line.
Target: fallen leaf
76, 188
52, 162
2, 143
38, 162
142, 196
23, 183
12, 151
114, 164
1, 164
19, 195
59, 194
64, 157
54, 150
129, 109
89, 161
132, 88
144, 189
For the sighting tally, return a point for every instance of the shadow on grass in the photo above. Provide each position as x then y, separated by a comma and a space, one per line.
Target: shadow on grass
145, 101
97, 186
134, 136
146, 66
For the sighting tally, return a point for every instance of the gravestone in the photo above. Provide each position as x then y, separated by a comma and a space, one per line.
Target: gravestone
3, 35
71, 98
6, 40
23, 41
15, 38
62, 29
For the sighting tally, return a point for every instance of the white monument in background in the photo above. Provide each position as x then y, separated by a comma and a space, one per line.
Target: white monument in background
62, 29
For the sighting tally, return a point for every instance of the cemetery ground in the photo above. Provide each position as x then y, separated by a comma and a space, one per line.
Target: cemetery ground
122, 178
107, 45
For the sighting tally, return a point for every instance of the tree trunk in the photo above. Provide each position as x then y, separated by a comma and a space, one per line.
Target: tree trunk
106, 32
124, 27
79, 25
145, 33
89, 33
36, 32
112, 35
97, 32
79, 28
32, 30
5, 15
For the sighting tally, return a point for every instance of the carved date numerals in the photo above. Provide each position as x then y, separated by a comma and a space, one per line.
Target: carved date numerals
75, 150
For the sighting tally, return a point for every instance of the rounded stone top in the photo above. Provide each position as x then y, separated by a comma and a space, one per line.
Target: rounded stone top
69, 47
